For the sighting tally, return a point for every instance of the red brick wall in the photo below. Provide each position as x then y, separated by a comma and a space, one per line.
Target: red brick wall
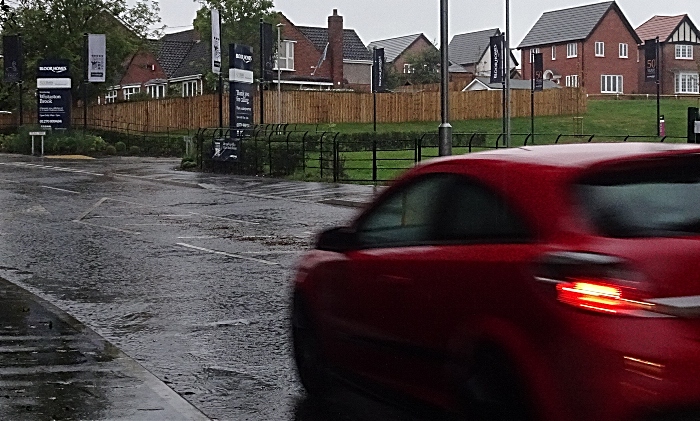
420, 44
669, 67
612, 31
139, 70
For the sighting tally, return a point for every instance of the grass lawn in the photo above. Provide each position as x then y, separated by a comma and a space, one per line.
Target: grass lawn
607, 120
604, 117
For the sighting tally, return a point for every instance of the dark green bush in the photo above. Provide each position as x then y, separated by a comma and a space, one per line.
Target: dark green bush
121, 147
134, 151
110, 150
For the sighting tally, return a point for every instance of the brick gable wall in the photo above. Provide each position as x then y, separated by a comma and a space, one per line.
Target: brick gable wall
416, 47
306, 56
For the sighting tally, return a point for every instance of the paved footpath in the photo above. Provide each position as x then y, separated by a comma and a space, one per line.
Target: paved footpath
54, 368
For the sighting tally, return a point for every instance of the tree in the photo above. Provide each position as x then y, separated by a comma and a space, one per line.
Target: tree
425, 68
54, 29
240, 23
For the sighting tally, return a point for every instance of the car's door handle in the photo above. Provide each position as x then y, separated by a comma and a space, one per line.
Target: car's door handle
393, 279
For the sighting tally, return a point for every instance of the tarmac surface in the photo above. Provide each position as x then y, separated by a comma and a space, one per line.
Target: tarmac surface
134, 291
53, 367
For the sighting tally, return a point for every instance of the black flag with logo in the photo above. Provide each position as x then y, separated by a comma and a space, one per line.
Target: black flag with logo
268, 52
378, 75
651, 73
12, 50
538, 72
496, 44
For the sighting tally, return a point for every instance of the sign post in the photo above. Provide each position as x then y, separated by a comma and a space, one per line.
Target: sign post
240, 103
53, 85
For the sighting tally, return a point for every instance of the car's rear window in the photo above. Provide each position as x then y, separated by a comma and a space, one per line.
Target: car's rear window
651, 198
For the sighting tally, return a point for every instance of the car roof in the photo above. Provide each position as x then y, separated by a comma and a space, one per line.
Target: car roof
579, 155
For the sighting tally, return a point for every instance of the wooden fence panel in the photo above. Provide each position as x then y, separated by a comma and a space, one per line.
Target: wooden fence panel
322, 107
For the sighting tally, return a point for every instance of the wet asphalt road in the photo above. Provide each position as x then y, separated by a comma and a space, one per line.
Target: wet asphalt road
188, 275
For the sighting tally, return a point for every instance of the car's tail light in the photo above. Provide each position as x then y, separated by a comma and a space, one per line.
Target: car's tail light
606, 284
597, 283
599, 296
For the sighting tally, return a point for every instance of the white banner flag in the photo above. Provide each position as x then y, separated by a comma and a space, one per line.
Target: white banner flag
215, 42
97, 57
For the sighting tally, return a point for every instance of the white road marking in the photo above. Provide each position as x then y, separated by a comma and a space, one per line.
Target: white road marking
201, 237
223, 253
63, 190
92, 208
9, 181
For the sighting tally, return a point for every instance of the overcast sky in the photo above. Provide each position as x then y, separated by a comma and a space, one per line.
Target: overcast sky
379, 19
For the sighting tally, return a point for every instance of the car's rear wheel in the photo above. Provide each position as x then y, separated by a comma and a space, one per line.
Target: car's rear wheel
492, 389
311, 365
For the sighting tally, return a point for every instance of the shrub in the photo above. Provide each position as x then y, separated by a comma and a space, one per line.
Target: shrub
120, 147
134, 150
110, 150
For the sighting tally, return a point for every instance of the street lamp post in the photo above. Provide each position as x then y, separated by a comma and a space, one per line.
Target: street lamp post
507, 73
445, 129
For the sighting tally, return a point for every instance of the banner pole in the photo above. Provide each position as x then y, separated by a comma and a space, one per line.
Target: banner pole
85, 79
532, 94
262, 73
658, 92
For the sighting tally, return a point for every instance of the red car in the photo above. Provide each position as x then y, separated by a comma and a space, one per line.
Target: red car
539, 283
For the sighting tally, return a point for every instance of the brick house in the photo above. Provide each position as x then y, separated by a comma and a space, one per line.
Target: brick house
323, 58
679, 55
175, 63
398, 50
593, 46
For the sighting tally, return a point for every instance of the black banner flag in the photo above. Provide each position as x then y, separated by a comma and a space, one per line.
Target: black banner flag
651, 62
538, 72
268, 52
496, 59
12, 51
378, 75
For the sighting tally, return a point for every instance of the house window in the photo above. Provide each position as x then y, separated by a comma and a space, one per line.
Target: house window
156, 91
533, 52
190, 88
128, 92
611, 84
408, 68
684, 52
599, 49
554, 52
111, 96
285, 59
624, 50
572, 81
687, 83
571, 50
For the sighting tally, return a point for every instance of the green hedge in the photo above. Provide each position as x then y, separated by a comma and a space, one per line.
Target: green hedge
55, 142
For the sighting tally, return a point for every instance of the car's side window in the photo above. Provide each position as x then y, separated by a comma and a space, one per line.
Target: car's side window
472, 213
406, 217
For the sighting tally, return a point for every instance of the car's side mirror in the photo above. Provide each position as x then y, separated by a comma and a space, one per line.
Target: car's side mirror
338, 239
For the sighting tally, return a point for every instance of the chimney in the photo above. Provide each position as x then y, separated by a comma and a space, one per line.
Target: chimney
335, 48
